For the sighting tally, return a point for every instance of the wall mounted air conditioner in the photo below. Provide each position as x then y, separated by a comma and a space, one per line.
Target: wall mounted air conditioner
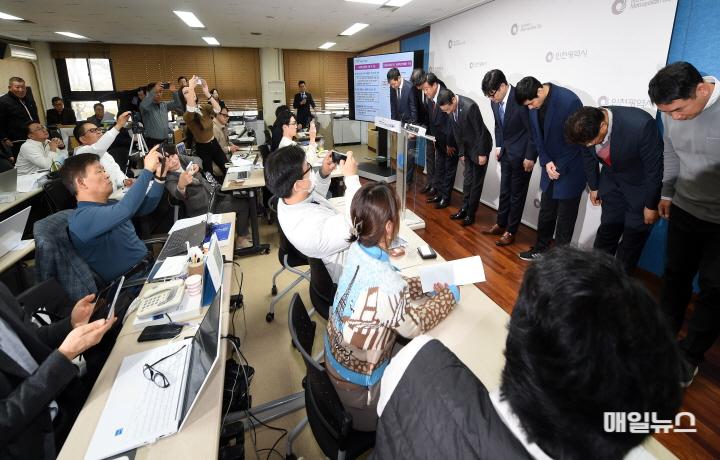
19, 52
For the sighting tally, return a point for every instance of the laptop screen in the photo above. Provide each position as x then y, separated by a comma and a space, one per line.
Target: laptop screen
204, 352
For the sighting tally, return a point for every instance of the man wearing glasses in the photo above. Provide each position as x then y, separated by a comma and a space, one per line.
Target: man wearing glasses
221, 133
38, 152
94, 141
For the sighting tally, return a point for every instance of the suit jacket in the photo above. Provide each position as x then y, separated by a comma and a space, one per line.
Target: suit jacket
197, 194
439, 124
404, 109
471, 135
636, 159
303, 111
67, 117
551, 145
513, 135
24, 414
13, 116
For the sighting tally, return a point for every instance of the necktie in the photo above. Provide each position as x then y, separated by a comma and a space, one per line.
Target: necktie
397, 91
604, 154
501, 111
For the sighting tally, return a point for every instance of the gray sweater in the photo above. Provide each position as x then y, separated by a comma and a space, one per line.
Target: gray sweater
692, 163
155, 117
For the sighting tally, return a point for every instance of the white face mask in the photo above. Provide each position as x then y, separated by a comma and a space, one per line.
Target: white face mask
313, 180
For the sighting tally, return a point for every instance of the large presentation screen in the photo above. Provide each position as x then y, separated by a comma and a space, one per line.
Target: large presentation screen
368, 89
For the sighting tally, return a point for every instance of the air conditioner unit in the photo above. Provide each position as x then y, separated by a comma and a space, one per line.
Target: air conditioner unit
20, 52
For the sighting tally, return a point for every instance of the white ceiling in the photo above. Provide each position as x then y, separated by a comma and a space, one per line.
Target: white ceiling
300, 24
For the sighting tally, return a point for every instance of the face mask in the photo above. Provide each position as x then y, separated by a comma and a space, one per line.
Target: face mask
310, 189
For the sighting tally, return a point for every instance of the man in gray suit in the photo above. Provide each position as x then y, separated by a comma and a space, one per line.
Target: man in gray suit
473, 143
192, 188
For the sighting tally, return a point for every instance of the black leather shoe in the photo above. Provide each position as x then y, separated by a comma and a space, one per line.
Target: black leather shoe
433, 199
432, 191
426, 189
468, 221
442, 204
459, 215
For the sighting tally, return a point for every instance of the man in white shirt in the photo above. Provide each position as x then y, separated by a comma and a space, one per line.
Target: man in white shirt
289, 129
94, 141
37, 152
310, 222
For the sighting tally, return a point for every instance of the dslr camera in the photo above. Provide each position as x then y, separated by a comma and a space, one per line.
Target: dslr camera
135, 125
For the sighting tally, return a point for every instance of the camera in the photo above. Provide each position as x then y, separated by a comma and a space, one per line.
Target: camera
135, 125
165, 85
337, 156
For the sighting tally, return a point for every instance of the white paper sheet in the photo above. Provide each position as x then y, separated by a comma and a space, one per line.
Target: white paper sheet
28, 182
240, 162
171, 266
237, 169
458, 272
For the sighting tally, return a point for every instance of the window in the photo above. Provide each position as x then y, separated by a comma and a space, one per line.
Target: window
86, 81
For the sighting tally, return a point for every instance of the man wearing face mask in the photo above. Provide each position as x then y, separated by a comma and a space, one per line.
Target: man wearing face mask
309, 221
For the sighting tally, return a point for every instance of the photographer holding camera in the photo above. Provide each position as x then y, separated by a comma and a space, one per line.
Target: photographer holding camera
199, 120
154, 113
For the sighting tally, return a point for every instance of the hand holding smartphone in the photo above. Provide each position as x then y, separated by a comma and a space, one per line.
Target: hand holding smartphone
337, 156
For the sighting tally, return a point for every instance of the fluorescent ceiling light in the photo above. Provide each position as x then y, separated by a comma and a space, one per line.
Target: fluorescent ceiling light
190, 19
72, 35
397, 3
353, 29
10, 17
373, 2
211, 40
326, 45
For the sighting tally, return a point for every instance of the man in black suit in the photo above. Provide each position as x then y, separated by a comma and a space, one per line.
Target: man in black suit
302, 102
629, 148
515, 151
17, 107
417, 78
402, 108
59, 115
474, 144
446, 158
40, 395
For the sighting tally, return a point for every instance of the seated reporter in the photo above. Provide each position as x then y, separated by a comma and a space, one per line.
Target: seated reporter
101, 229
373, 306
310, 222
39, 152
40, 393
93, 140
193, 189
584, 340
220, 131
288, 125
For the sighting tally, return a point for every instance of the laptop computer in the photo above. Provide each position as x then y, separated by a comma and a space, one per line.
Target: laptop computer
11, 230
140, 411
8, 181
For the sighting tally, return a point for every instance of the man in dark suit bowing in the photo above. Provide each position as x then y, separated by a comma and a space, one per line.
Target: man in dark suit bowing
446, 158
302, 102
562, 179
474, 145
403, 108
629, 148
515, 151
417, 78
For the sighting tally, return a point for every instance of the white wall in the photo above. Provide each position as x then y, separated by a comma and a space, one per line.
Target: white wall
46, 73
605, 51
271, 69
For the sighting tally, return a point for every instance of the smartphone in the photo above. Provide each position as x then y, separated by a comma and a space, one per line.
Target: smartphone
337, 156
165, 85
189, 166
111, 312
160, 332
426, 252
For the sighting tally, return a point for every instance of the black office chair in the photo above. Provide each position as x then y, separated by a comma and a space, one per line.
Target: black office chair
331, 425
289, 258
57, 196
322, 288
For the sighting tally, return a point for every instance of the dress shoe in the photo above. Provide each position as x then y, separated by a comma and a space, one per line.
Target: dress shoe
469, 220
426, 189
505, 240
495, 229
459, 215
433, 199
442, 204
432, 191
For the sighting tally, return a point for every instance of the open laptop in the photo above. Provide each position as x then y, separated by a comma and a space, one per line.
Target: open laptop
8, 181
11, 230
138, 411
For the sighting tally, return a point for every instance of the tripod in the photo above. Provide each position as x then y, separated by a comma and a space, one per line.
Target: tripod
142, 149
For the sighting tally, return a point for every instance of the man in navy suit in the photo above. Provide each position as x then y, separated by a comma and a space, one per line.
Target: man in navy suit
402, 108
446, 158
629, 148
302, 102
515, 151
417, 78
562, 179
474, 145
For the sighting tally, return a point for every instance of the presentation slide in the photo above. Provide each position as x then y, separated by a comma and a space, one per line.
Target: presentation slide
368, 86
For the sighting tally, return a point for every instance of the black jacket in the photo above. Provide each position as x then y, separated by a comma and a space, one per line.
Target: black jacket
471, 135
439, 125
403, 110
513, 135
303, 110
67, 117
24, 399
13, 116
439, 409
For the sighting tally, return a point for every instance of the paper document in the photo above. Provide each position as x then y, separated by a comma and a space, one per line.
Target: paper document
457, 272
238, 169
28, 182
171, 266
240, 162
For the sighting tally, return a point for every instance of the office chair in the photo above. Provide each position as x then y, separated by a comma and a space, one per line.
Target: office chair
46, 302
331, 425
57, 196
322, 288
289, 258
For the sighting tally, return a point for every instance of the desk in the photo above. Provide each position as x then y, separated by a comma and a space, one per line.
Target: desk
20, 197
199, 437
252, 184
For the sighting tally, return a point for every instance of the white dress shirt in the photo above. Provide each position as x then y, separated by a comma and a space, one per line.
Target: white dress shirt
35, 156
117, 176
310, 151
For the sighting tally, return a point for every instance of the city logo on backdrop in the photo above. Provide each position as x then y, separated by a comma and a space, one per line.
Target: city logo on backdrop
436, 69
452, 43
476, 65
527, 27
640, 103
618, 6
561, 55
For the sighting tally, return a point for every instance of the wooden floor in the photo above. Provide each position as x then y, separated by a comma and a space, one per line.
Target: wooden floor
504, 271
